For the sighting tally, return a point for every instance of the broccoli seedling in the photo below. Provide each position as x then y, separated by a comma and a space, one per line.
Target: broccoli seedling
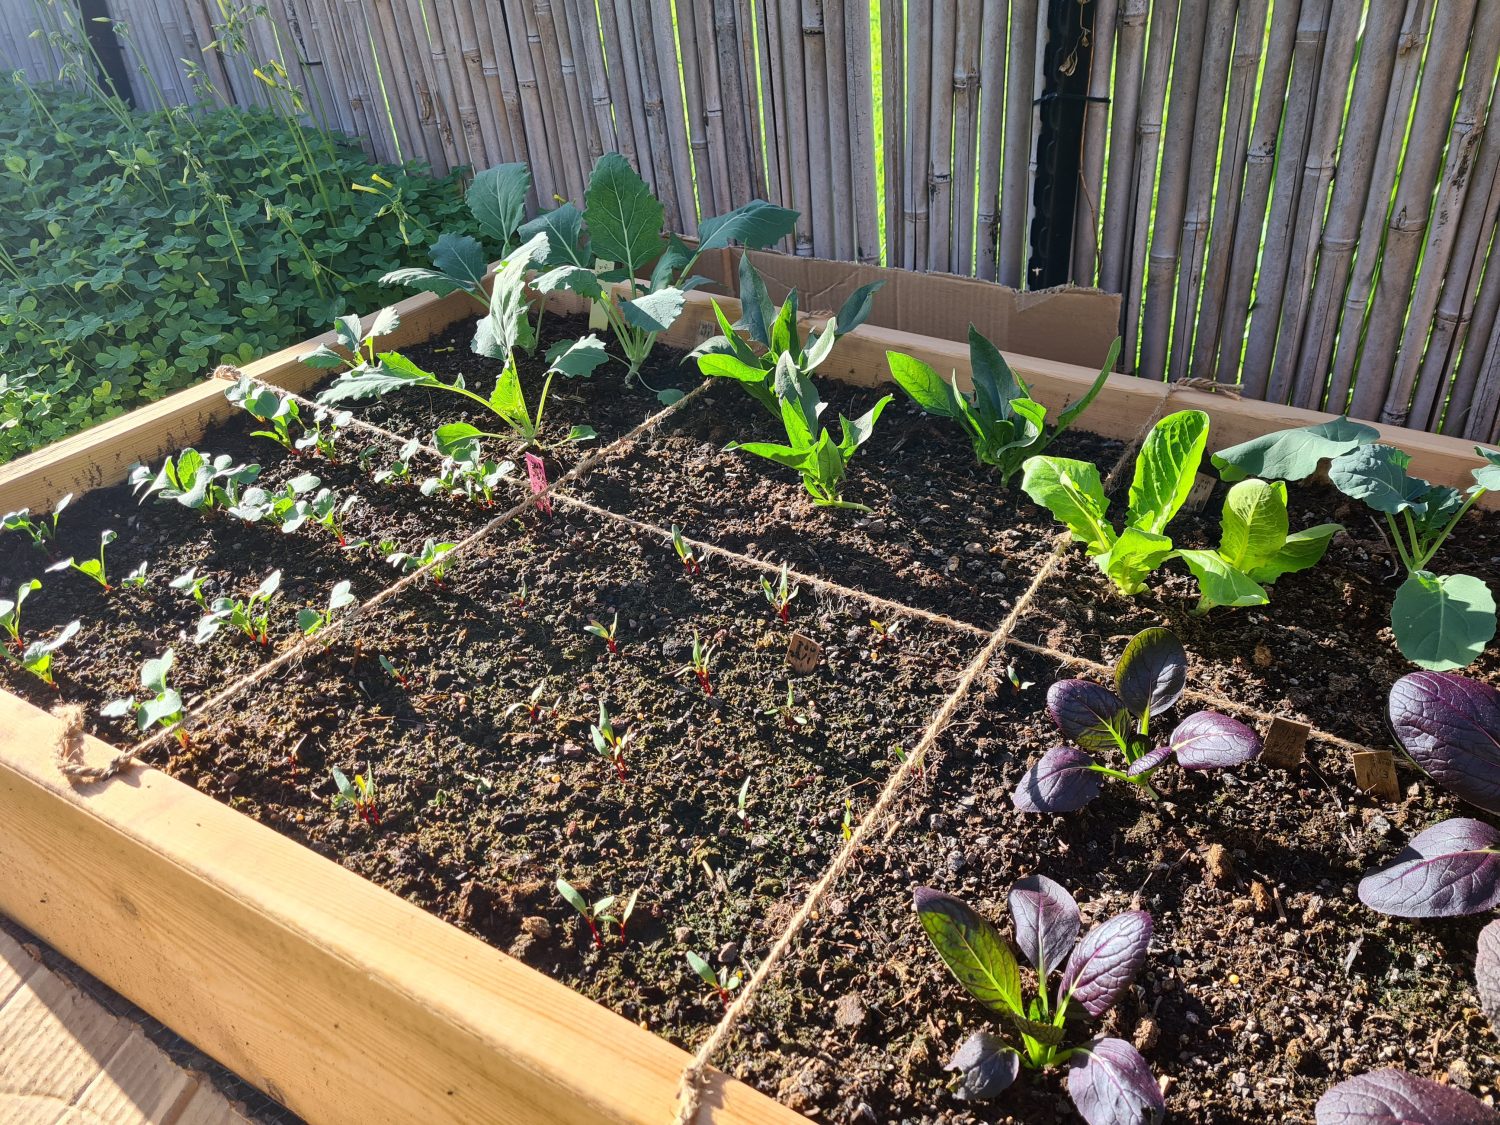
609, 744
690, 560
10, 611
360, 793
164, 708
36, 657
41, 529
699, 664
90, 568
313, 621
251, 616
599, 912
609, 636
780, 595
722, 981
533, 706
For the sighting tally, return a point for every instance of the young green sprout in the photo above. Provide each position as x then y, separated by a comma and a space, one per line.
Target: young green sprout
699, 664
741, 802
431, 555
36, 657
609, 744
599, 912
780, 595
787, 712
690, 560
360, 793
10, 611
251, 616
164, 708
90, 568
1015, 678
533, 706
609, 636
313, 621
722, 981
520, 597
192, 582
42, 530
394, 672
848, 825
136, 577
902, 756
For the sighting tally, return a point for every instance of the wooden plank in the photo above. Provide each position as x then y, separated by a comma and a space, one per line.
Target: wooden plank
300, 975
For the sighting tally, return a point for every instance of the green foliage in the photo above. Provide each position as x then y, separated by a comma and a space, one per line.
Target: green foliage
138, 250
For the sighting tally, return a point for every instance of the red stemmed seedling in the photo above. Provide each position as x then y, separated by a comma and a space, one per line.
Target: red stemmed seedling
741, 802
535, 712
610, 635
793, 719
598, 913
360, 793
690, 561
700, 664
609, 744
723, 982
394, 672
780, 595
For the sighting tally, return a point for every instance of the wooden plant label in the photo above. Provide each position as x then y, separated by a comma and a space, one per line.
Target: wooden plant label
803, 654
1375, 773
597, 318
1198, 495
1284, 743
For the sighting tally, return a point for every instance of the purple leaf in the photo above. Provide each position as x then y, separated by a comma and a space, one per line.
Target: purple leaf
1487, 972
1047, 922
1111, 1084
1394, 1097
1106, 961
986, 1065
1448, 870
1149, 761
1207, 740
1152, 672
1063, 781
1090, 715
1450, 725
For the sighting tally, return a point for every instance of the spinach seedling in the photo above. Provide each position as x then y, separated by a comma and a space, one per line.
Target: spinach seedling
1149, 680
36, 657
699, 664
779, 596
40, 529
251, 616
722, 981
90, 568
1164, 472
164, 707
810, 449
195, 480
1003, 423
609, 636
846, 826
10, 611
598, 913
609, 744
431, 555
1440, 621
1108, 1080
535, 712
360, 794
313, 621
688, 557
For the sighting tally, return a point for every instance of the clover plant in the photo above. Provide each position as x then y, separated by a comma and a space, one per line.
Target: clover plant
42, 529
313, 621
195, 480
1108, 1080
1002, 421
1441, 621
1149, 680
164, 705
1396, 1097
251, 616
36, 657
90, 568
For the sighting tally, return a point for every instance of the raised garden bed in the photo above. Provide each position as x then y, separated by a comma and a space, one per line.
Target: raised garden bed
943, 615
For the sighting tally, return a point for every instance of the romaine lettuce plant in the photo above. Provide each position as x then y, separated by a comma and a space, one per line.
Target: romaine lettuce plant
1149, 680
42, 529
1441, 621
1164, 469
90, 568
195, 481
1396, 1097
821, 461
36, 657
1108, 1080
1002, 421
164, 707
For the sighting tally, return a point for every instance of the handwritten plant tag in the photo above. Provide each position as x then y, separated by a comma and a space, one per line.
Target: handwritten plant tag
1284, 743
1198, 496
803, 654
1375, 774
598, 320
536, 474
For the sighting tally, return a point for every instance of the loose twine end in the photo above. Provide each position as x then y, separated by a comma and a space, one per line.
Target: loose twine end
69, 753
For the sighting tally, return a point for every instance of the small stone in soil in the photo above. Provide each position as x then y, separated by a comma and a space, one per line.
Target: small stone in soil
1217, 866
729, 953
849, 1012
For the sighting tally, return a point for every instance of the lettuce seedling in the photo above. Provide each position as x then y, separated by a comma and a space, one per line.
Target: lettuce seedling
1396, 1097
90, 568
610, 635
609, 744
1149, 680
41, 529
195, 481
360, 794
1440, 621
1002, 421
36, 657
779, 596
699, 664
686, 554
251, 616
599, 913
722, 981
164, 707
1164, 470
821, 461
431, 555
10, 611
1108, 1080
313, 621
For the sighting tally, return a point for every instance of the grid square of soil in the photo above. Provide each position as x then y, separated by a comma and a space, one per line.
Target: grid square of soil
943, 536
130, 624
601, 401
1266, 981
481, 809
1321, 650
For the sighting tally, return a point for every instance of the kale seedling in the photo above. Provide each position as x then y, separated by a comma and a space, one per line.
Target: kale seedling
1108, 1080
360, 793
609, 744
1002, 421
1149, 679
90, 568
10, 611
598, 913
431, 555
165, 705
689, 557
780, 596
36, 657
41, 529
313, 621
609, 636
722, 981
251, 616
699, 664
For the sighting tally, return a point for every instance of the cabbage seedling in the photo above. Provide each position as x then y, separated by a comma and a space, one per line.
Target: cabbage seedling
1108, 1080
689, 557
699, 664
90, 568
722, 981
258, 503
164, 707
251, 616
598, 913
608, 636
10, 611
779, 596
609, 744
313, 621
1149, 680
36, 657
41, 529
360, 794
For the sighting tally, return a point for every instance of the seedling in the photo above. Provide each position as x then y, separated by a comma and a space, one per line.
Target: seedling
533, 706
313, 621
699, 664
394, 672
847, 826
322, 435
519, 597
608, 636
1108, 1080
41, 529
360, 793
10, 611
1015, 679
689, 557
191, 582
163, 708
467, 474
36, 657
780, 596
400, 468
722, 981
787, 712
741, 808
251, 616
195, 480
258, 504
598, 913
276, 412
136, 577
431, 555
609, 744
325, 510
91, 568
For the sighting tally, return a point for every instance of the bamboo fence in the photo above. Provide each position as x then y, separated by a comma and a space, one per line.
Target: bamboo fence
1295, 197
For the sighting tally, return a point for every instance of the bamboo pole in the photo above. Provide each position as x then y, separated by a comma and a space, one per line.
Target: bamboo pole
965, 120
586, 17
1015, 173
792, 109
628, 73
1363, 133
444, 89
704, 168
992, 44
1312, 199
1089, 213
1483, 422
893, 104
1412, 206
814, 84
659, 120
669, 69
586, 141
621, 86
712, 38
840, 152
918, 120
405, 102
758, 93
477, 119
861, 106
569, 154
411, 35
942, 90
1203, 162
775, 114
1460, 416
803, 115
1171, 197
536, 123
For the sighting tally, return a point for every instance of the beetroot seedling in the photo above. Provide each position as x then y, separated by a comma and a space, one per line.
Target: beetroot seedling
690, 561
609, 636
700, 664
741, 803
533, 707
520, 597
722, 981
164, 708
360, 793
780, 595
600, 913
609, 744
791, 718
90, 568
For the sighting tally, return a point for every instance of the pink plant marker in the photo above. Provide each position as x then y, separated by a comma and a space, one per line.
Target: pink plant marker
536, 472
